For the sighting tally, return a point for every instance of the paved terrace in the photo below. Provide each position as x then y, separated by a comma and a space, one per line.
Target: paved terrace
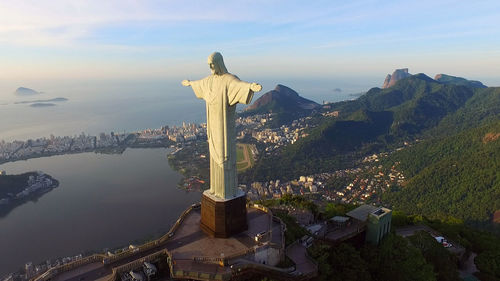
192, 250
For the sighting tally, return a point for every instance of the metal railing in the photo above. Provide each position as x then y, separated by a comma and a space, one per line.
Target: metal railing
69, 266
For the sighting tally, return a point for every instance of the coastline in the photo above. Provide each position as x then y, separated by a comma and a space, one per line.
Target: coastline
164, 186
23, 195
105, 150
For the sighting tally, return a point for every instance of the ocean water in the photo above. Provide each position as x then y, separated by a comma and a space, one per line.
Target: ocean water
101, 108
118, 106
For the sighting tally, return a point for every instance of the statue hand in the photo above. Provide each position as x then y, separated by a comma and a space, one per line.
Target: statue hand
186, 83
255, 87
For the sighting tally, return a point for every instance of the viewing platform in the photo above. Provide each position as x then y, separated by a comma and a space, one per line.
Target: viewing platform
187, 252
195, 255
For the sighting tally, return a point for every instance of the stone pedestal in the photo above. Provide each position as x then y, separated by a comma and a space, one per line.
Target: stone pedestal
222, 218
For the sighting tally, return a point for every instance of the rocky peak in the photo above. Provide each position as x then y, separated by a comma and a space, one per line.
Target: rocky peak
397, 75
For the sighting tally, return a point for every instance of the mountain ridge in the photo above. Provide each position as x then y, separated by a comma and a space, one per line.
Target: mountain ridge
279, 93
413, 108
284, 102
448, 79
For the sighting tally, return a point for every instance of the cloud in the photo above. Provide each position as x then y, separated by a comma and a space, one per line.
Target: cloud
62, 23
46, 38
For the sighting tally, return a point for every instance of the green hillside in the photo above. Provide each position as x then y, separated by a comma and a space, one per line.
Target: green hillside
455, 171
332, 145
285, 103
375, 121
448, 79
483, 106
418, 103
458, 175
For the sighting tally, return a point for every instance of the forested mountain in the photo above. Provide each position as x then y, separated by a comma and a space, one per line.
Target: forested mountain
284, 102
458, 175
481, 108
454, 171
448, 79
376, 120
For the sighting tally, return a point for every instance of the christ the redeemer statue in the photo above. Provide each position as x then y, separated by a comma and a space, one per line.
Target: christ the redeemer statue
221, 92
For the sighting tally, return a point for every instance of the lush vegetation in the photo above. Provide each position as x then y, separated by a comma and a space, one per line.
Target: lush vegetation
376, 121
394, 259
10, 185
481, 108
332, 145
189, 161
457, 175
454, 171
293, 230
445, 264
418, 257
284, 103
14, 183
485, 244
333, 209
448, 79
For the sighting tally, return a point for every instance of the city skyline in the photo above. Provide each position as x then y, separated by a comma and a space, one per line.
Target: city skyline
317, 40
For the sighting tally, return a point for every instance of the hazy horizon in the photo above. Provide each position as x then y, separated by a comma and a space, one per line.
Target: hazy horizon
127, 105
156, 39
100, 54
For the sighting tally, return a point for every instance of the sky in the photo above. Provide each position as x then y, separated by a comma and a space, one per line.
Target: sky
60, 39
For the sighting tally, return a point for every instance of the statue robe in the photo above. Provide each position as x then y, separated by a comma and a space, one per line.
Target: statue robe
221, 94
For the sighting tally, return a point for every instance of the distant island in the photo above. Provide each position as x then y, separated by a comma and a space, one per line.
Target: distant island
42, 104
22, 91
43, 101
16, 190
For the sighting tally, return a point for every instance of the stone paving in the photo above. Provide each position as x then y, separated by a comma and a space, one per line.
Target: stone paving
190, 241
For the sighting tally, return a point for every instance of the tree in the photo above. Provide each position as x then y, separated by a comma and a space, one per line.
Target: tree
445, 263
401, 261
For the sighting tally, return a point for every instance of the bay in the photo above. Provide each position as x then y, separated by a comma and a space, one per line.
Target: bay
103, 201
125, 106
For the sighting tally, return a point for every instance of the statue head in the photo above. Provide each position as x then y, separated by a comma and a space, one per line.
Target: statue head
216, 64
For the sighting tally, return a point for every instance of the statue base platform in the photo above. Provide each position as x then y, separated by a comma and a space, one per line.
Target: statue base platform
222, 218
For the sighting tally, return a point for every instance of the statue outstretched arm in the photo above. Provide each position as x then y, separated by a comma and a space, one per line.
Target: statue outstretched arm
255, 87
200, 87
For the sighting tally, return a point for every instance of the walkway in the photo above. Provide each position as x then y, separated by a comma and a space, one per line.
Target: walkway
298, 254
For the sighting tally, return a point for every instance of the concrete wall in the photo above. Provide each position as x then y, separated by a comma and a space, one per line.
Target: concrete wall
378, 227
268, 255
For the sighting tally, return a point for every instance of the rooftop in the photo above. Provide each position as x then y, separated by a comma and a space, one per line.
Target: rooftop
361, 212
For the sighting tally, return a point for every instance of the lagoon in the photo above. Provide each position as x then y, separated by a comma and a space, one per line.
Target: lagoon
103, 201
